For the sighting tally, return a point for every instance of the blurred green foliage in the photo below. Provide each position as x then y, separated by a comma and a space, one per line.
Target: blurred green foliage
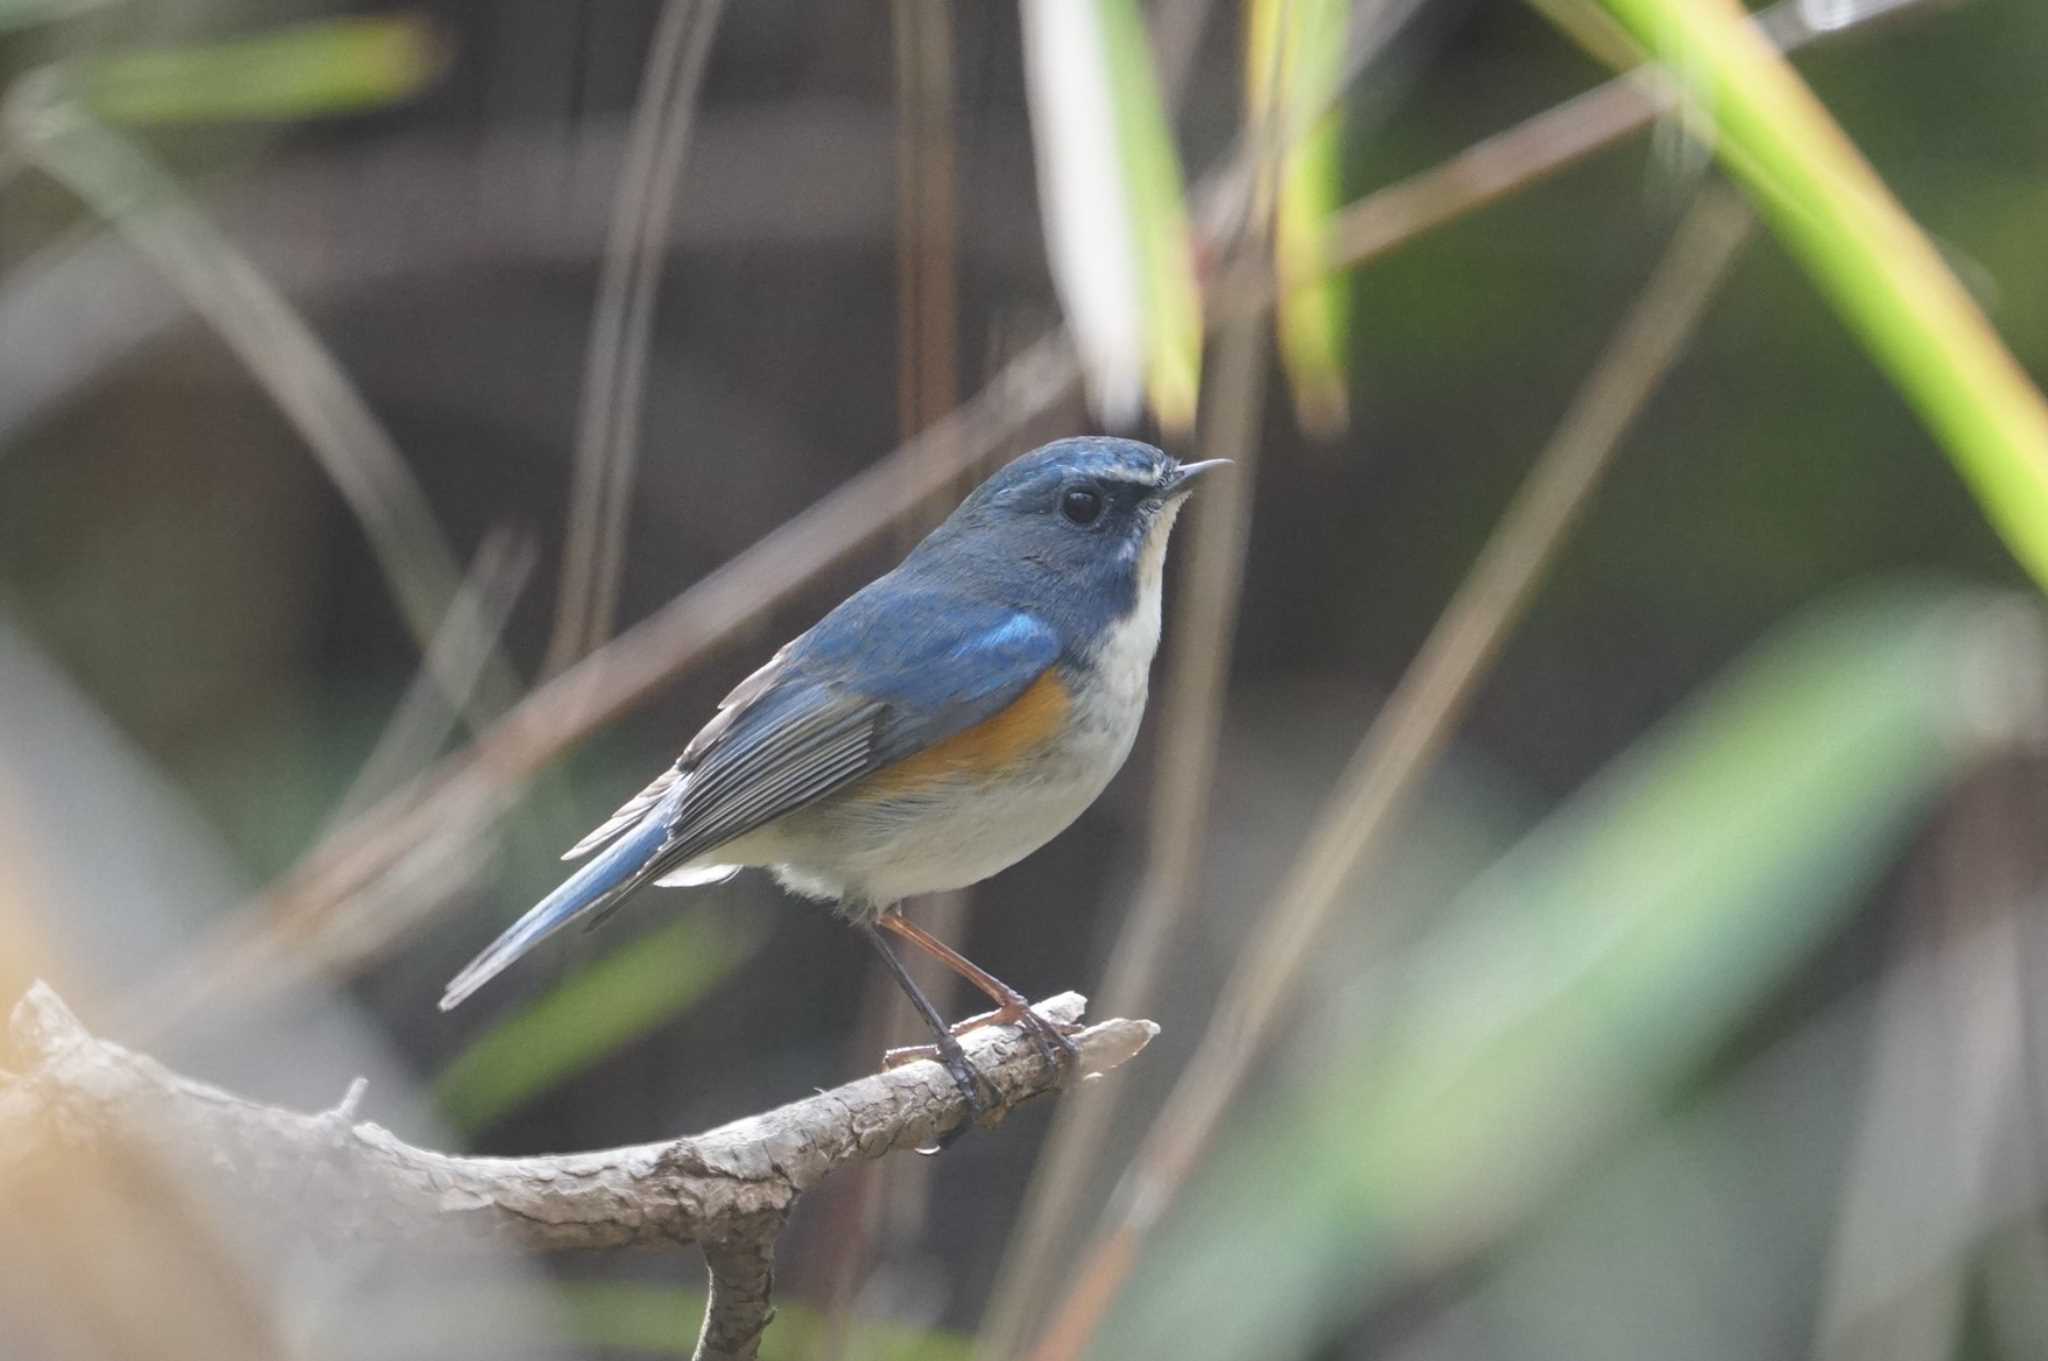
598, 1009
1159, 219
306, 71
31, 13
1862, 249
215, 599
1294, 64
1576, 984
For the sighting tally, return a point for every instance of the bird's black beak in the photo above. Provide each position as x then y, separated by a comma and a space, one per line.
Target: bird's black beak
1182, 481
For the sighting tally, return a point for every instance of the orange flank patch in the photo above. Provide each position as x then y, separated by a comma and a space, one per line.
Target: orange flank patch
990, 745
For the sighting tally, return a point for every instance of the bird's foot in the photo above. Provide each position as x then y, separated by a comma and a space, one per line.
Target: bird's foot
1048, 1036
1054, 1041
948, 1053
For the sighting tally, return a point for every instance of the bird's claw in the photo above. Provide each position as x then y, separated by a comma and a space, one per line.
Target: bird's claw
965, 1076
1049, 1037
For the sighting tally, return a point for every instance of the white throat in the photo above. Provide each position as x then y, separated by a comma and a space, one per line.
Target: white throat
1123, 661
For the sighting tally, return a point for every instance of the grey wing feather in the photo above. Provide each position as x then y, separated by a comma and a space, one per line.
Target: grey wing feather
757, 777
751, 780
629, 812
757, 683
632, 810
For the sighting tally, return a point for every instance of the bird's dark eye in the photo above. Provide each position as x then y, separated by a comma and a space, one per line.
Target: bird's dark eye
1081, 505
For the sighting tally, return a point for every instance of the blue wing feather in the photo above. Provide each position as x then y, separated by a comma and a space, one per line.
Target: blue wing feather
621, 869
942, 661
879, 679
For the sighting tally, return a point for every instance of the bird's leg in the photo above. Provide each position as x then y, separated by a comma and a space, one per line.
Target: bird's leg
1011, 1006
947, 1050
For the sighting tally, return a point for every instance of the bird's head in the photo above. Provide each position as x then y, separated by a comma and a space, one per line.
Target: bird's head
1083, 522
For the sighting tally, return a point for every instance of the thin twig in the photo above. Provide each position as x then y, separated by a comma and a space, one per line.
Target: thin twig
1943, 1102
339, 1181
1511, 161
1176, 32
622, 327
1204, 624
409, 207
886, 1204
456, 657
1400, 745
1221, 202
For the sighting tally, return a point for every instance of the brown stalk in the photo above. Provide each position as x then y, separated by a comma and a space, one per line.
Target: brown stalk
1399, 747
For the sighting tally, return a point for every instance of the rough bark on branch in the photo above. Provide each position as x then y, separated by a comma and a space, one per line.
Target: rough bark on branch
351, 1181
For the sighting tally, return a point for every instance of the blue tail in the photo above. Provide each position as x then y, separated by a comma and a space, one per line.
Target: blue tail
599, 884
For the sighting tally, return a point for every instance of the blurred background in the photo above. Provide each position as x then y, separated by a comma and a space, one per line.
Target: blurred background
368, 373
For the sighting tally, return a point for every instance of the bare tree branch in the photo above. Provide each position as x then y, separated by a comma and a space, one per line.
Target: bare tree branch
742, 1279
349, 1181
355, 1181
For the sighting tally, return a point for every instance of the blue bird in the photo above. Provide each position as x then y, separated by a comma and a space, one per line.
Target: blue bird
938, 726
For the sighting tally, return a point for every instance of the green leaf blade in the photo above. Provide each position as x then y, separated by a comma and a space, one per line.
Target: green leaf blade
306, 71
590, 1014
